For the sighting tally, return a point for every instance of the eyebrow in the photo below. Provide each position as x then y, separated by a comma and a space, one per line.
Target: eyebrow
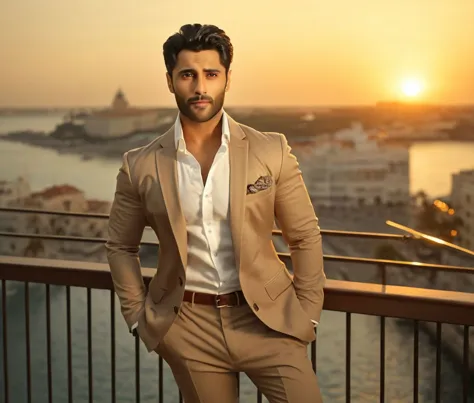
183, 71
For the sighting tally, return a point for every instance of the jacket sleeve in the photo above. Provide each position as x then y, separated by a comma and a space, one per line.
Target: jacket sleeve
297, 220
126, 225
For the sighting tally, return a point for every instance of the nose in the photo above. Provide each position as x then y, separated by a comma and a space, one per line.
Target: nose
200, 88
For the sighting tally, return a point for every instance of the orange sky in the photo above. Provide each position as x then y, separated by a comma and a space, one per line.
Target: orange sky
306, 52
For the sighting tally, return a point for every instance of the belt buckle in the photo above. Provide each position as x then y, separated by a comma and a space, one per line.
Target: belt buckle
219, 305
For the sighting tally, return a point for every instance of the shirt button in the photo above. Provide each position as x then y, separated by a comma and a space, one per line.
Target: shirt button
255, 306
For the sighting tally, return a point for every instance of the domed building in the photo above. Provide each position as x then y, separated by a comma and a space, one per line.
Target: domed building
121, 119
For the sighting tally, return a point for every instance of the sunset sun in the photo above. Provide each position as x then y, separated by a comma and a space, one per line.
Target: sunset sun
411, 87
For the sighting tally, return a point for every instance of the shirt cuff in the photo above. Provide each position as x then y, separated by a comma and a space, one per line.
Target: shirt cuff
315, 323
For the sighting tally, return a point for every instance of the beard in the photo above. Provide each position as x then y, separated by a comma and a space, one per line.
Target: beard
200, 115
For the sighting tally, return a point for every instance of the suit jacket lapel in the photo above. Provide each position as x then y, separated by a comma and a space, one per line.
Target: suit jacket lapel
238, 148
168, 177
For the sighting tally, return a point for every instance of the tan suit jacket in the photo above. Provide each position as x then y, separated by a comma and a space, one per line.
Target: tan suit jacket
147, 194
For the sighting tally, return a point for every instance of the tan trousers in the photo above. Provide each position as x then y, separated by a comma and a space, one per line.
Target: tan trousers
205, 348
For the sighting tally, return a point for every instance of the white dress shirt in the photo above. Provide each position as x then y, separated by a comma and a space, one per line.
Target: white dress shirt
211, 262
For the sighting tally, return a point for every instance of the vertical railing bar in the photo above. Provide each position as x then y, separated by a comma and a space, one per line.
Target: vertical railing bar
259, 396
348, 356
137, 369
382, 359
438, 363
69, 343
48, 343
313, 356
112, 345
27, 342
89, 343
160, 379
237, 375
383, 268
415, 360
180, 396
5, 342
465, 386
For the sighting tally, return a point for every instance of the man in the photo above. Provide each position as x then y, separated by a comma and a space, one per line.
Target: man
221, 300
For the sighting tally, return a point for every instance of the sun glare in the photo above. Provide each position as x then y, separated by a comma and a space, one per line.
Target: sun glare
411, 87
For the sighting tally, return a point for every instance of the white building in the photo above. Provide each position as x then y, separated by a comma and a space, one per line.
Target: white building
353, 168
54, 198
462, 200
121, 119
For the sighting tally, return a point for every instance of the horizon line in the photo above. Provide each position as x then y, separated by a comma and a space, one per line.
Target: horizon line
320, 106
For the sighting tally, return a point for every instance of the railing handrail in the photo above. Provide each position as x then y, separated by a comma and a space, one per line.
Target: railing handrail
341, 233
52, 212
284, 255
344, 296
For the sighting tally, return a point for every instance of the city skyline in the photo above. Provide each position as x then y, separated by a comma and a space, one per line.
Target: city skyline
340, 53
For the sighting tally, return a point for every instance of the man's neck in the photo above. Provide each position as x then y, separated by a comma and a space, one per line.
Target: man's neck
200, 133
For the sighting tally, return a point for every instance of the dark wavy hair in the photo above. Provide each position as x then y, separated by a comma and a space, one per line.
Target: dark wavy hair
197, 37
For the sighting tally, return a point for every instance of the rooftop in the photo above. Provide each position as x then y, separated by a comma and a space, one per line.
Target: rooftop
54, 191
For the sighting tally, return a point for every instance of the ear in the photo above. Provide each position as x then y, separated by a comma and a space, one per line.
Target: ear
227, 86
169, 81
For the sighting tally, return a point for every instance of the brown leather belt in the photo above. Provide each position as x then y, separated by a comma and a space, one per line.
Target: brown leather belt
219, 301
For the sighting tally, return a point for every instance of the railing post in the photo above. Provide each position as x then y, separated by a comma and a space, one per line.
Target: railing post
416, 343
27, 340
69, 343
466, 374
383, 275
382, 359
5, 342
348, 356
112, 346
438, 362
48, 343
137, 369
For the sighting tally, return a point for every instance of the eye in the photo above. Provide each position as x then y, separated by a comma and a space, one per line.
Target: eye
212, 75
187, 75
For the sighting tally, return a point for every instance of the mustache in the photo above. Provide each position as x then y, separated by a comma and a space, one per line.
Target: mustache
200, 98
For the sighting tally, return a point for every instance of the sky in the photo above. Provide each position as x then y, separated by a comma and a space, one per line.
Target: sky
292, 53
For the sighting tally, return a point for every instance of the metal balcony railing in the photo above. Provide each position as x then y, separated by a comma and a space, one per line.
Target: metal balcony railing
440, 307
384, 301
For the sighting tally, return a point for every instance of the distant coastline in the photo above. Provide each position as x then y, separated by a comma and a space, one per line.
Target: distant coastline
393, 124
114, 148
86, 148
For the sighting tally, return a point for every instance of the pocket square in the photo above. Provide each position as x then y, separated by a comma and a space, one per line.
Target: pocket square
262, 183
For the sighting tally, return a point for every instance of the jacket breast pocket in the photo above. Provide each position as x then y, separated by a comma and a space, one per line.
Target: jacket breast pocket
278, 284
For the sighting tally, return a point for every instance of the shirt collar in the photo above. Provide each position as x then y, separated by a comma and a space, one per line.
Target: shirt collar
179, 137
